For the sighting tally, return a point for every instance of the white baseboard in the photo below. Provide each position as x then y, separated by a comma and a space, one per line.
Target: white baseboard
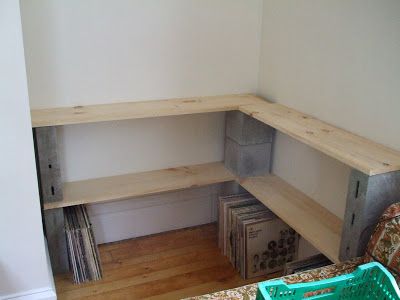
153, 214
36, 294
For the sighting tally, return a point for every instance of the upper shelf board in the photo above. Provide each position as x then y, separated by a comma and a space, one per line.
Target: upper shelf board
137, 110
355, 151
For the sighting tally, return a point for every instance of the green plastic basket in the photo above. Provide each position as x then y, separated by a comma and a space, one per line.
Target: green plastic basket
369, 281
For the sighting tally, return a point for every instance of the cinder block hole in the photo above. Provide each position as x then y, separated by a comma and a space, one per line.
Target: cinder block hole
50, 166
357, 188
52, 190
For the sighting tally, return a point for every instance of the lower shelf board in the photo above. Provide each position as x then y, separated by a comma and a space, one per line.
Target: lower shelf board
141, 184
312, 221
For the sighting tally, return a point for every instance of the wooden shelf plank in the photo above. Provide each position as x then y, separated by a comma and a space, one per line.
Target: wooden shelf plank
360, 153
136, 110
141, 184
357, 152
312, 221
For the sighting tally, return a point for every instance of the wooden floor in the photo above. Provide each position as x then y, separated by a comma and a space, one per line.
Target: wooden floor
170, 265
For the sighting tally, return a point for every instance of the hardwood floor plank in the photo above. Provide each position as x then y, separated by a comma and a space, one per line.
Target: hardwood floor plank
129, 271
184, 236
120, 262
176, 282
169, 265
95, 289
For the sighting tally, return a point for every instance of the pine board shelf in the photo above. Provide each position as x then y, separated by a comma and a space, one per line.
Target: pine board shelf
355, 151
141, 184
315, 223
137, 110
312, 221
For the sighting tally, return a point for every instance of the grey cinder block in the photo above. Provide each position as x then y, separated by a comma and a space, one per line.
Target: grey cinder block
246, 130
367, 198
247, 160
48, 165
56, 240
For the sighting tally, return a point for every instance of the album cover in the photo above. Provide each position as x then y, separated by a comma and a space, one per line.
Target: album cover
269, 244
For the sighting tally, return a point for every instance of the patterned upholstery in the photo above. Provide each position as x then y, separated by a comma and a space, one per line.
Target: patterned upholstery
384, 245
248, 292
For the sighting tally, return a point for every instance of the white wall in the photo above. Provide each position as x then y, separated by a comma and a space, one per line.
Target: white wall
338, 61
89, 52
23, 261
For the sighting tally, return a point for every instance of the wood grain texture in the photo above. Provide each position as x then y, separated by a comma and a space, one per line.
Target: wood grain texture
136, 110
312, 221
171, 265
141, 184
360, 153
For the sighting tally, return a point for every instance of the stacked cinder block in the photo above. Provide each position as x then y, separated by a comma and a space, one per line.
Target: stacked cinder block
367, 197
248, 145
50, 188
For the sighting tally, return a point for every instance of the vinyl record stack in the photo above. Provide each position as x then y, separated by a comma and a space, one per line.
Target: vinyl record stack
82, 249
255, 240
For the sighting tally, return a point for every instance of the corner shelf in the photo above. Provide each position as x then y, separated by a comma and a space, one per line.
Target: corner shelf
312, 221
355, 151
140, 184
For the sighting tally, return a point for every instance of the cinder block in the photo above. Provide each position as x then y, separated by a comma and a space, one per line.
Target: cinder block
247, 160
246, 130
56, 240
367, 198
48, 165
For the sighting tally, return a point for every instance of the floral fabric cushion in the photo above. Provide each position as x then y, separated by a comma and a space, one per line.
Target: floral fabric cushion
248, 292
384, 245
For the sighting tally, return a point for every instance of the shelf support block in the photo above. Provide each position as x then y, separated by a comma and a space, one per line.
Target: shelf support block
50, 189
367, 198
56, 240
248, 145
47, 164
